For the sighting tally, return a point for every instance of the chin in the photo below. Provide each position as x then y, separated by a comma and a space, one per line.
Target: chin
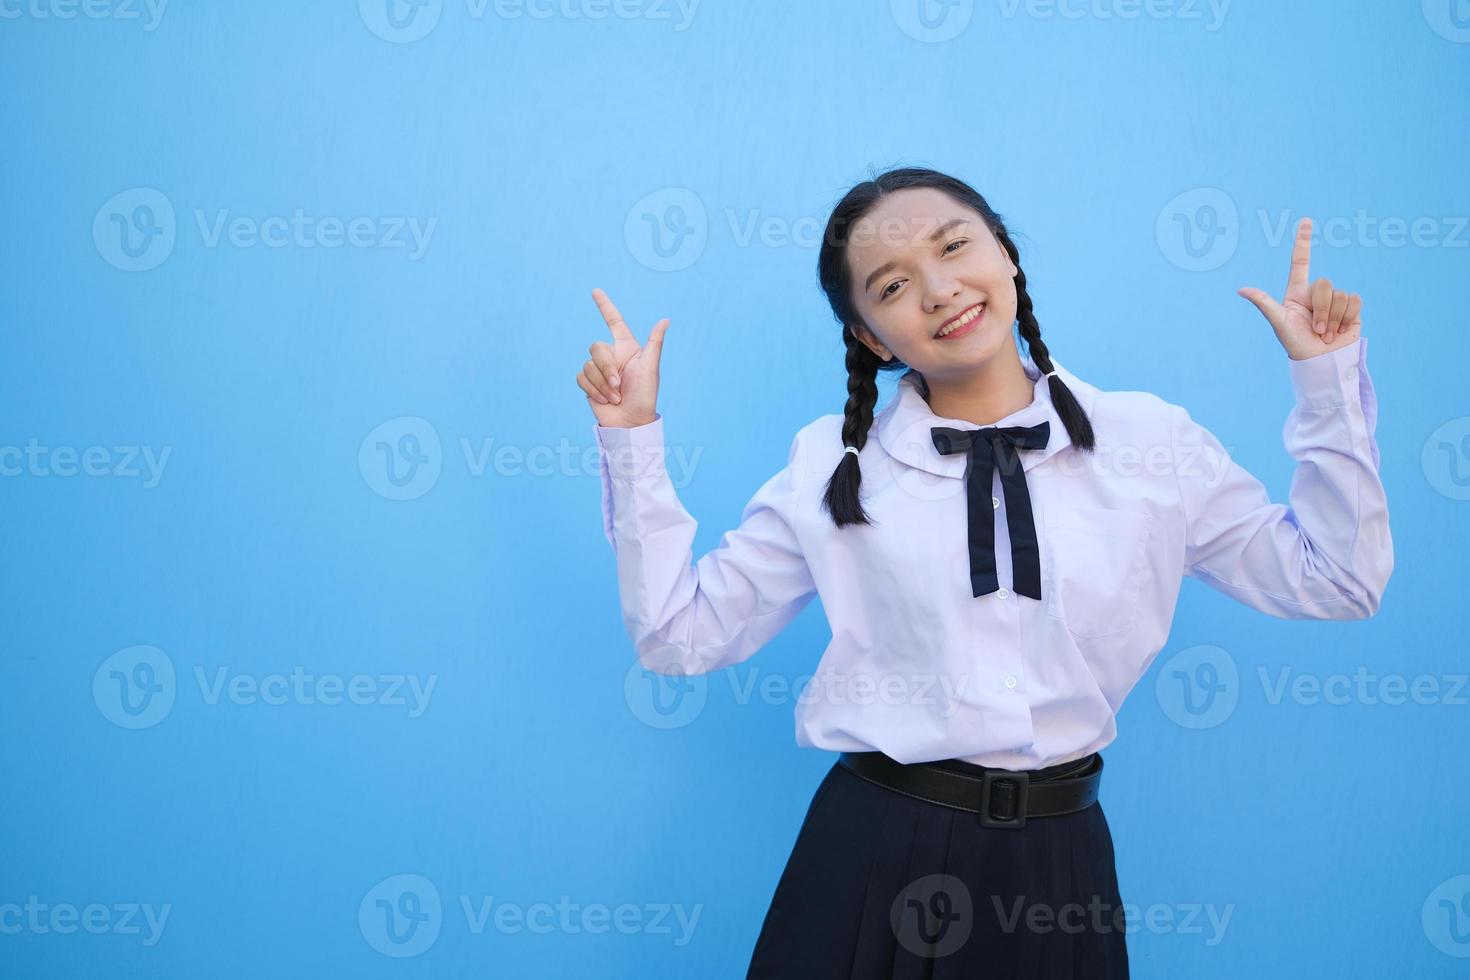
959, 364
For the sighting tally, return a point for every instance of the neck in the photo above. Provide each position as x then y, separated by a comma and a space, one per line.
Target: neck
986, 394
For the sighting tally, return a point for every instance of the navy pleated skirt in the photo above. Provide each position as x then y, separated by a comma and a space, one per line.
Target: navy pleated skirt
883, 885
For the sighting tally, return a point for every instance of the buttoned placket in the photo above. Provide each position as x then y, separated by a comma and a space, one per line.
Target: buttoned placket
1007, 676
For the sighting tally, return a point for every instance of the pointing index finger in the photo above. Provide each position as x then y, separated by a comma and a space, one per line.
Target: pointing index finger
1301, 254
610, 313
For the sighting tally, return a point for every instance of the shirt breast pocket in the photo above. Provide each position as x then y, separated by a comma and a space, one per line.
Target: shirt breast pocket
1096, 563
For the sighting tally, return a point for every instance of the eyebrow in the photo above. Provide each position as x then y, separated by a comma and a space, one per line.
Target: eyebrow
888, 266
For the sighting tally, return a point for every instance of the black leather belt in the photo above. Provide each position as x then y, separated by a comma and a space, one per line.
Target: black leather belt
1002, 797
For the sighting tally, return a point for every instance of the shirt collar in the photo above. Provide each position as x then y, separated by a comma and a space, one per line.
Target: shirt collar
903, 425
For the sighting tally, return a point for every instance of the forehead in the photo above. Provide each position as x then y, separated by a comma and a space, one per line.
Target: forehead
904, 221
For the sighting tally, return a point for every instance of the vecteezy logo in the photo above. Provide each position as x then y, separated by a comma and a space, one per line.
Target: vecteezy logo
401, 458
667, 230
401, 916
1450, 19
135, 229
1446, 917
932, 21
664, 700
135, 687
1198, 687
1198, 230
400, 21
1446, 459
933, 916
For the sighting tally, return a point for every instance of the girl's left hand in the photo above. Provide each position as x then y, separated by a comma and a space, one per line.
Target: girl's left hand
1311, 319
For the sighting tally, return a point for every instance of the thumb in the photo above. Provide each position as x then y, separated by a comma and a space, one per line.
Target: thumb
1262, 301
655, 345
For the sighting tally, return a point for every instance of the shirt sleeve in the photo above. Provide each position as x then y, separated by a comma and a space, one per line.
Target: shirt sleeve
1329, 554
687, 617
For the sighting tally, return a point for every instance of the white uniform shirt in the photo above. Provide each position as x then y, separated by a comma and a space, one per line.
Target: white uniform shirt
919, 668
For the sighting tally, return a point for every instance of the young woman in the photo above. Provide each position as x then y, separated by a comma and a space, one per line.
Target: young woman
999, 566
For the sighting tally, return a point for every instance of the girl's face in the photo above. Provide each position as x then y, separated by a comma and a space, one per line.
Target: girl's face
918, 259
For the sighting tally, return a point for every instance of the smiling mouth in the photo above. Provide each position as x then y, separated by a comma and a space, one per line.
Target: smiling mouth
962, 322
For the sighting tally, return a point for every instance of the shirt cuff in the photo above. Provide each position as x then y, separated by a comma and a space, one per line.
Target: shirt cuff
632, 452
1331, 380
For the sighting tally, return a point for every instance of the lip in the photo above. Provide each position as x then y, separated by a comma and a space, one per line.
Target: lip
967, 328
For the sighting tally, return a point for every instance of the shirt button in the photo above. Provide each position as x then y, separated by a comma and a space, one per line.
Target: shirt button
1010, 680
1003, 593
995, 503
1352, 373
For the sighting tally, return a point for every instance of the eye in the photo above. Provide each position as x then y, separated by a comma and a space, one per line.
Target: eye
948, 250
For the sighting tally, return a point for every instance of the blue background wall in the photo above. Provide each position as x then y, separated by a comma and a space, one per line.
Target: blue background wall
208, 708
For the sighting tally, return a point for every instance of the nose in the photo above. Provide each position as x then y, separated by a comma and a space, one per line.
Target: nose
940, 290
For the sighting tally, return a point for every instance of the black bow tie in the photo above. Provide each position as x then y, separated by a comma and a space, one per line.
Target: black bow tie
984, 450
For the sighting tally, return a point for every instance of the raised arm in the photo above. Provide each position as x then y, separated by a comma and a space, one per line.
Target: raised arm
1329, 554
685, 616
693, 617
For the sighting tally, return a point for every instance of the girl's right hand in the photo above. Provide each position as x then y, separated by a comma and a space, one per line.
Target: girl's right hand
621, 379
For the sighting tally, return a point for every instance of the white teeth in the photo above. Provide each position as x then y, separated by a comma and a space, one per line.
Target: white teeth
972, 314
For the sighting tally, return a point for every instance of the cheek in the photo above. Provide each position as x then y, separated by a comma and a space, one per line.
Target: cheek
1003, 306
901, 332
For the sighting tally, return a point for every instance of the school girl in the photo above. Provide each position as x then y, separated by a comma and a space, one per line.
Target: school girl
998, 552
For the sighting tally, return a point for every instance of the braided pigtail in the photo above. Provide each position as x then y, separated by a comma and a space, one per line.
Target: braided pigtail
1079, 426
841, 500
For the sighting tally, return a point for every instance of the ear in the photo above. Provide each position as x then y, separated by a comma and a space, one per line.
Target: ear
871, 342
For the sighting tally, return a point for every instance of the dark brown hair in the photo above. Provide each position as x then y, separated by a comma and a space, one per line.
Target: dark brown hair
841, 500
